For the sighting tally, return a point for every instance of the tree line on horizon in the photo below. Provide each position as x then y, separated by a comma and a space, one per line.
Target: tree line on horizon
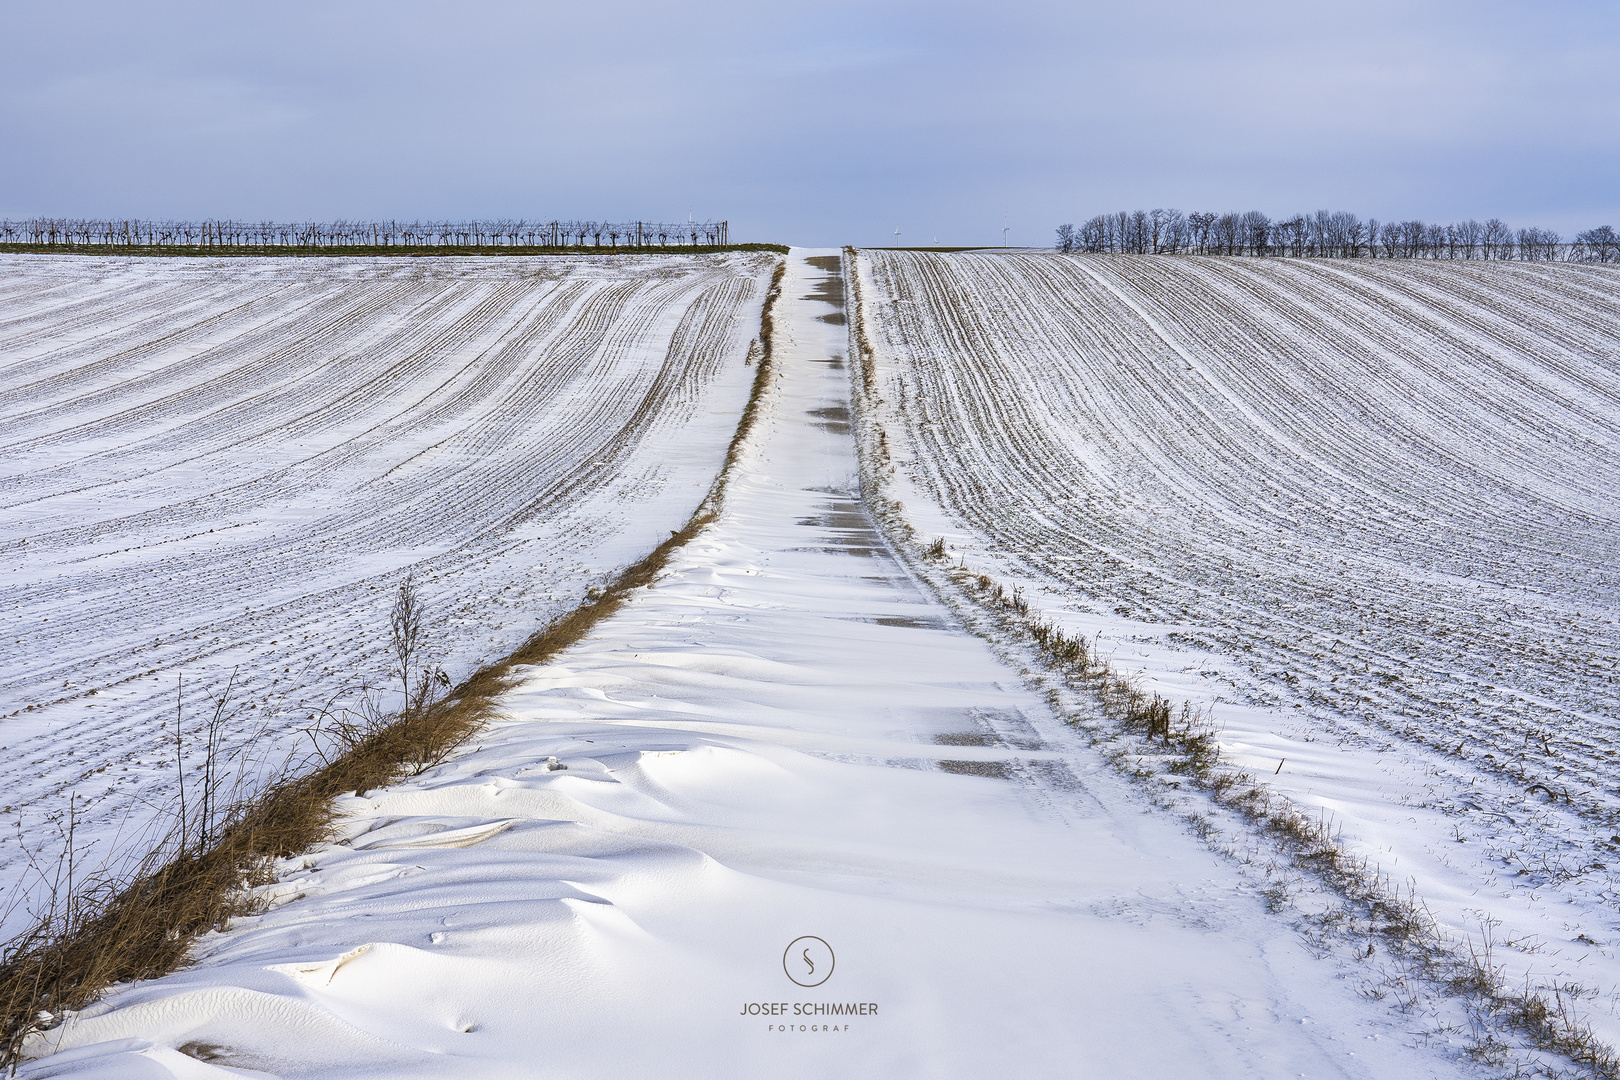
503, 232
1324, 234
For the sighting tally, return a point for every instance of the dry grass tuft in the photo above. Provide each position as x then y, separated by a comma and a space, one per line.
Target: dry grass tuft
200, 876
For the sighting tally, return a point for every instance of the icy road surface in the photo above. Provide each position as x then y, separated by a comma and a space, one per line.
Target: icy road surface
783, 741
210, 466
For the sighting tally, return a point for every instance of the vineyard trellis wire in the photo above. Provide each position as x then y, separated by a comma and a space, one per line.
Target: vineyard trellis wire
1329, 235
228, 234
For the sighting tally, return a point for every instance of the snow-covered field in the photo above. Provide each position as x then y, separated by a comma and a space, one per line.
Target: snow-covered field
1368, 512
806, 826
210, 466
782, 814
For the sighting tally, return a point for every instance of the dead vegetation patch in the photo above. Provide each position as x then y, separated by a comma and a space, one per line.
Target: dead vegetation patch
994, 770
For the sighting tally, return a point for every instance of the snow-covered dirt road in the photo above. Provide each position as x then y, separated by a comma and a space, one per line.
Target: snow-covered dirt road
218, 465
779, 816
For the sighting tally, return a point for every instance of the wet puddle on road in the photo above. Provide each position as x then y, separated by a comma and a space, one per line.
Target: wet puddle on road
834, 418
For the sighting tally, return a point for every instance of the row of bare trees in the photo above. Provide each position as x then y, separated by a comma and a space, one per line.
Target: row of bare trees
1327, 234
502, 233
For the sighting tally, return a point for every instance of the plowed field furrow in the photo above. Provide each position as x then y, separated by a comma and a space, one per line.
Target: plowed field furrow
247, 492
1414, 378
1573, 306
222, 434
137, 316
251, 376
428, 515
425, 506
1385, 491
69, 305
1541, 369
145, 333
144, 371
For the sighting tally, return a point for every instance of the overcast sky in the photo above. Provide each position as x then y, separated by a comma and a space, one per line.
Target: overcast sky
813, 123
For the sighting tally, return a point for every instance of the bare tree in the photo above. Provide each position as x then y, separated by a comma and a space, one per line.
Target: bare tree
1155, 230
1355, 233
1256, 232
1389, 237
1468, 237
1174, 231
1601, 244
1136, 232
1202, 224
1434, 241
1497, 239
1094, 235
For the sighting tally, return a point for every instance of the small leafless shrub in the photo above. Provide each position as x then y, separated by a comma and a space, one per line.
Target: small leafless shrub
405, 632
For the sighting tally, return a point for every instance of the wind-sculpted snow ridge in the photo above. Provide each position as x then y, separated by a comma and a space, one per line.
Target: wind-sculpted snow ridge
1366, 511
217, 466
